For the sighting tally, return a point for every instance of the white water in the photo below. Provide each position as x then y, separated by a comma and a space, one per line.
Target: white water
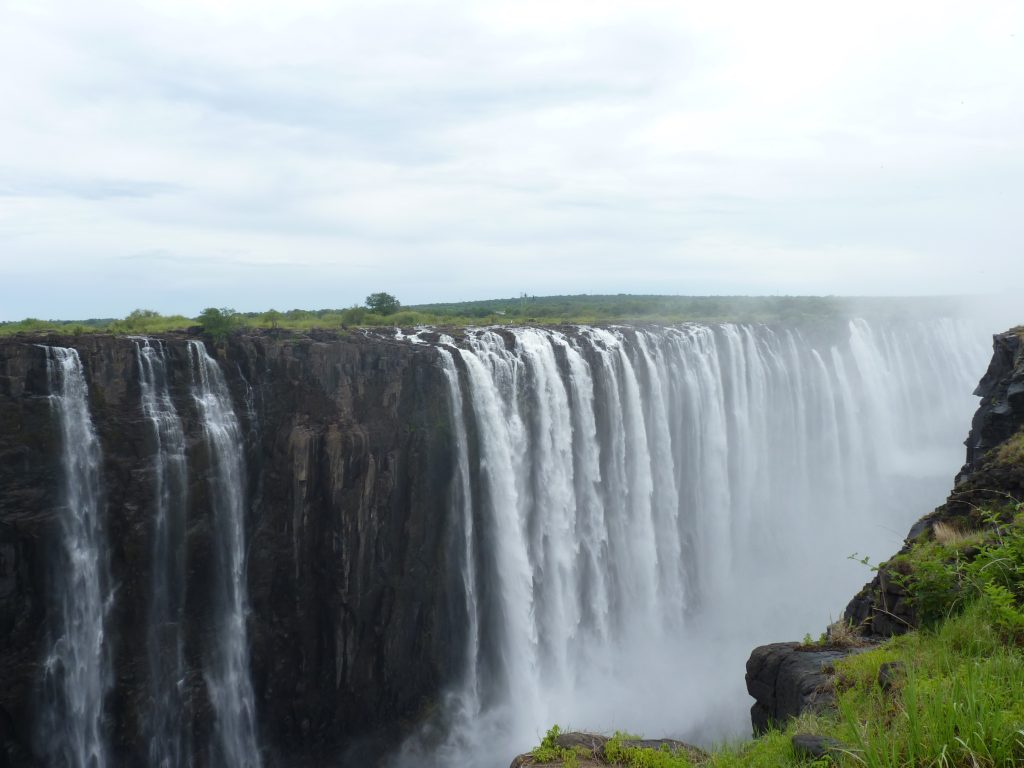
652, 504
77, 672
166, 721
227, 670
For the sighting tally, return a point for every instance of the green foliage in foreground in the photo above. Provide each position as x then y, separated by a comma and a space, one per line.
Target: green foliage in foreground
960, 701
384, 310
642, 757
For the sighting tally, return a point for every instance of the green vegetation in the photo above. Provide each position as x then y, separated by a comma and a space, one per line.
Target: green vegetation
382, 304
219, 323
1012, 451
550, 752
384, 310
958, 699
619, 753
616, 751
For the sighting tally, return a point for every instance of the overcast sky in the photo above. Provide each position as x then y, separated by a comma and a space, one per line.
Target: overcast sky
179, 154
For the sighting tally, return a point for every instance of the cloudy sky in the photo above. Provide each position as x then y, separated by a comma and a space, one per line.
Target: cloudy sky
179, 154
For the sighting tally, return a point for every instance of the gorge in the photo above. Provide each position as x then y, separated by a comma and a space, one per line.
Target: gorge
308, 550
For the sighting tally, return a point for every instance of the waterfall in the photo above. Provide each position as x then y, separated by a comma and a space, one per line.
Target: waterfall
167, 721
648, 504
227, 672
77, 671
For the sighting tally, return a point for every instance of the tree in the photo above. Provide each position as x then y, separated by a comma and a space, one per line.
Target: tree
382, 303
138, 318
218, 322
272, 318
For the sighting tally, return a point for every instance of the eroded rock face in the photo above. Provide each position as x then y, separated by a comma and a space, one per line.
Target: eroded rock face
348, 466
1001, 389
786, 679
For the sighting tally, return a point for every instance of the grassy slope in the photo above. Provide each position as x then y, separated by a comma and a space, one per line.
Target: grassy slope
550, 310
959, 701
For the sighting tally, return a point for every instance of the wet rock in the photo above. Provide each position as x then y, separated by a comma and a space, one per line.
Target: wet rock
347, 463
589, 748
807, 746
891, 674
786, 679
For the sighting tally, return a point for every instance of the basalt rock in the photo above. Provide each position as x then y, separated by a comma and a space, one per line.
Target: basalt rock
1001, 390
786, 679
808, 746
589, 750
348, 470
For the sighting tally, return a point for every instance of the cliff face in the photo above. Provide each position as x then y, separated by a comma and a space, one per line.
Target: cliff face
348, 469
393, 546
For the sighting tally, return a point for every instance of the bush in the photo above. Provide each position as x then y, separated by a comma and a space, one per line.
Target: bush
218, 323
382, 303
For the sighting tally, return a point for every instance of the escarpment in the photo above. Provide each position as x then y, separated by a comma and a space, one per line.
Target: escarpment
316, 550
347, 468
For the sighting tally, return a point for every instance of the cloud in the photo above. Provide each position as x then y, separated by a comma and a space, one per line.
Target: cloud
454, 150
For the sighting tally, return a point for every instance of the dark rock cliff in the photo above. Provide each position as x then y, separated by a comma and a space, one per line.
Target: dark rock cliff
348, 466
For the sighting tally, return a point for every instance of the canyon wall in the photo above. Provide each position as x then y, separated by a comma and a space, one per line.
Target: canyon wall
347, 459
309, 549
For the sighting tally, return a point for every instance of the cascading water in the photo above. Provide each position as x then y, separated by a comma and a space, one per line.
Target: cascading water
77, 672
227, 672
167, 722
649, 504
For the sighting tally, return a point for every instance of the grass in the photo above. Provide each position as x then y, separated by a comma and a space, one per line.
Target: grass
951, 535
1012, 450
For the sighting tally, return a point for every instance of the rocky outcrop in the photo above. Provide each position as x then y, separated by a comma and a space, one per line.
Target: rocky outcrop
1001, 412
348, 469
589, 750
786, 679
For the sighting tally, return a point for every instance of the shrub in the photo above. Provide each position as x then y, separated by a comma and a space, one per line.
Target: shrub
382, 303
219, 323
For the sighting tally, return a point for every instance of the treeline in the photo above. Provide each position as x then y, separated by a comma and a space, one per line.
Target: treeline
384, 310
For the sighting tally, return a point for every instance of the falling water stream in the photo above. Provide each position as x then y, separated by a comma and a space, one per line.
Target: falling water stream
167, 723
77, 672
651, 503
227, 672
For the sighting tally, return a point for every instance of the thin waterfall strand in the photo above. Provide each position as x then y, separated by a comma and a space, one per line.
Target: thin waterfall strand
77, 673
167, 724
227, 673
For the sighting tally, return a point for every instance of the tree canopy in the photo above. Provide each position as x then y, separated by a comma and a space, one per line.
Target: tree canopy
383, 303
218, 322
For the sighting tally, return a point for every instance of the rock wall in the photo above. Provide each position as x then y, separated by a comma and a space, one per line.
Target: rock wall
348, 465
